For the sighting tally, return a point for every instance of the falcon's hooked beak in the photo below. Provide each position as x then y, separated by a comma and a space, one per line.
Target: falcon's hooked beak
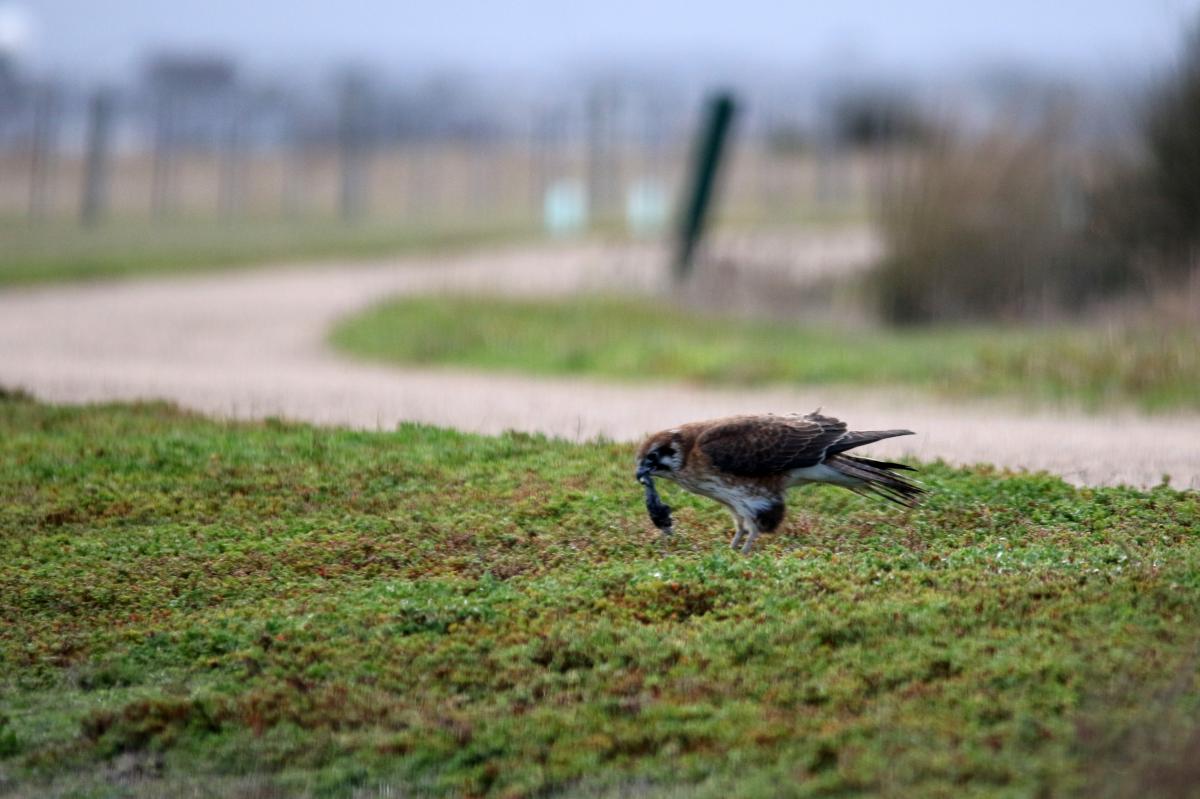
645, 469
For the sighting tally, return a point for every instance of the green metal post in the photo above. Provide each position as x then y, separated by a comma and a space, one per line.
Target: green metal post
706, 162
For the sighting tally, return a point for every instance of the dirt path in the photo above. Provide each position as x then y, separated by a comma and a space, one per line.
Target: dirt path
250, 345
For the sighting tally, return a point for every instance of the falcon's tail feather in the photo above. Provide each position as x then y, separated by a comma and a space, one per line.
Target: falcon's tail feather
864, 437
883, 464
876, 477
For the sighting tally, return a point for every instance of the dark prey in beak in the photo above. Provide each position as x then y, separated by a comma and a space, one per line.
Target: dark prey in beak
660, 512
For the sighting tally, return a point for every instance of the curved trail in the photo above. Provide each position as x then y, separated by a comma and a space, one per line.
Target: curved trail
252, 344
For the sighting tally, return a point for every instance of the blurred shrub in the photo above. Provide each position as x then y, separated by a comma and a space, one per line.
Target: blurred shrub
1014, 225
1150, 207
990, 227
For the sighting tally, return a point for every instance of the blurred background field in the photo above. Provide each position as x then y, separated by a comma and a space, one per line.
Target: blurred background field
63, 252
1030, 198
196, 161
1025, 177
1151, 366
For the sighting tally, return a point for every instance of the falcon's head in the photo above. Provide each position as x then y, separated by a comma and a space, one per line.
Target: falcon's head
661, 455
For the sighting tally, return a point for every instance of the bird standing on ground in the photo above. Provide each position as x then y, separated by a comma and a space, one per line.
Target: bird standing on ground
747, 463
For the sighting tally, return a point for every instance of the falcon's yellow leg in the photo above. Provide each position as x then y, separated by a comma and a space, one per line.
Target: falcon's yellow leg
739, 533
750, 539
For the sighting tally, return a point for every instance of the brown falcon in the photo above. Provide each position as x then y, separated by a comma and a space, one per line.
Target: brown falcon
747, 463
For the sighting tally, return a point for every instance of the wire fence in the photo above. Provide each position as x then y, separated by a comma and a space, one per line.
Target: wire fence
206, 148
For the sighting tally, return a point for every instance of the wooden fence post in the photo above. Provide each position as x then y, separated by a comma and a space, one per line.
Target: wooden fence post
95, 175
232, 179
41, 166
352, 147
161, 182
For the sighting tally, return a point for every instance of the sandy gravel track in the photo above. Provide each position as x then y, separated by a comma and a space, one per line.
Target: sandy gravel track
251, 344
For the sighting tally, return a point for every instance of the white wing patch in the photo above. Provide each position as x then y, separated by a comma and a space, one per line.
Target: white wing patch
821, 473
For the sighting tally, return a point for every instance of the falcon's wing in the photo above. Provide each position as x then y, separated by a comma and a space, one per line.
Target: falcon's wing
757, 446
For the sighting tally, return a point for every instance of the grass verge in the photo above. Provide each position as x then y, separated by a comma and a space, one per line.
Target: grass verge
46, 253
274, 607
1088, 366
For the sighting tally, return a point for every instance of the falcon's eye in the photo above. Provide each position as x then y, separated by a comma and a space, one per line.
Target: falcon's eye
666, 452
652, 457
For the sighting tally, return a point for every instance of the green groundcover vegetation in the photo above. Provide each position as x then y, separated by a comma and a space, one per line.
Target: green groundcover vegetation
1090, 365
203, 608
49, 252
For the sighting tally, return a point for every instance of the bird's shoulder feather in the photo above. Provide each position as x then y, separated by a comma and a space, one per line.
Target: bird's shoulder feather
757, 446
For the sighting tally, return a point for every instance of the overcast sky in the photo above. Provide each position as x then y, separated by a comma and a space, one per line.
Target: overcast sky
105, 38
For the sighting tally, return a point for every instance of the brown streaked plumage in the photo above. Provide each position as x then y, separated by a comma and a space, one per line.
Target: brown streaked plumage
747, 463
